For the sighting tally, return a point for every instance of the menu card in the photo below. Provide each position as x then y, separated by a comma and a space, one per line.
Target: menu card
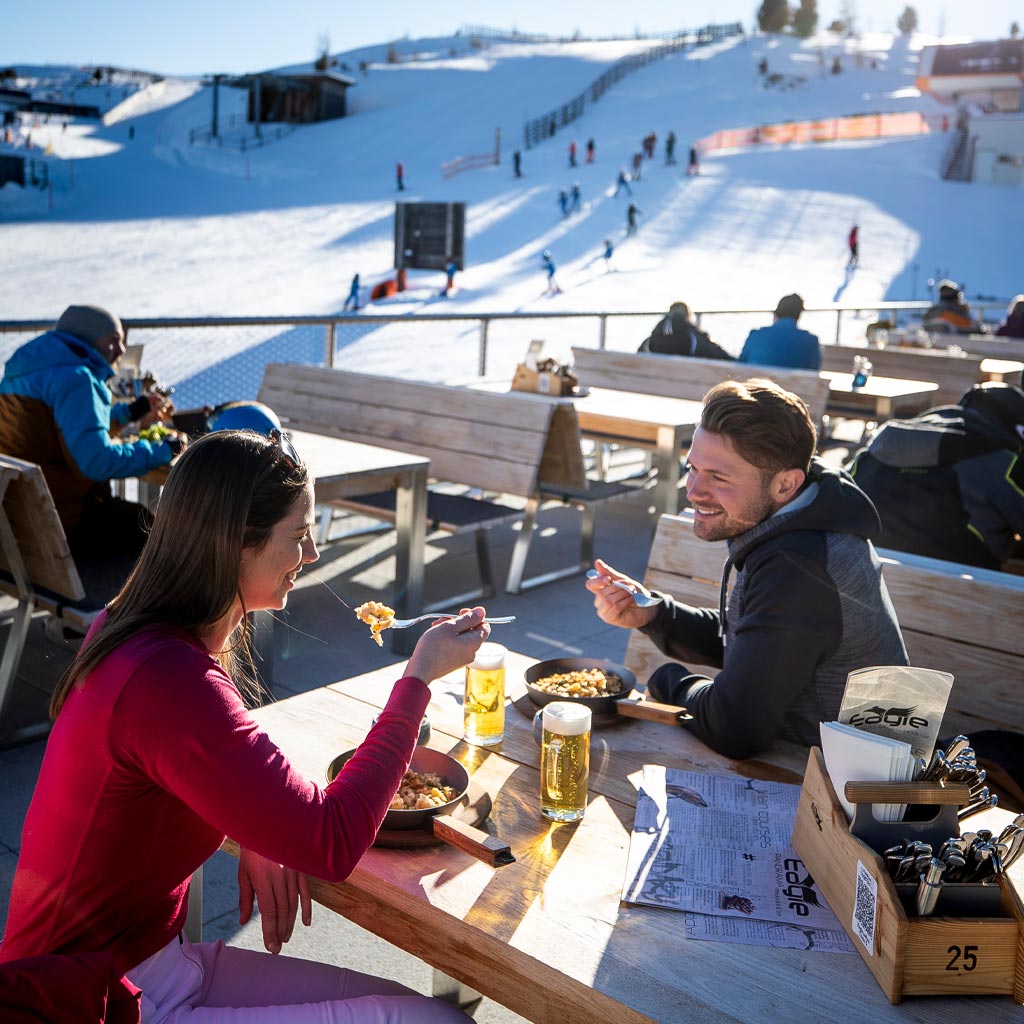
852, 755
717, 847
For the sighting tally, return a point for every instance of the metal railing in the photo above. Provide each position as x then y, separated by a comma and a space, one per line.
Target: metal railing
954, 159
215, 359
537, 129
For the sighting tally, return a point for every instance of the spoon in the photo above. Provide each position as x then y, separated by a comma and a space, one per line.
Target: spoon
640, 600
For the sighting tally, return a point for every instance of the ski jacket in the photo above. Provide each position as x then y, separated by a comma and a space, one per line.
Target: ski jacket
676, 336
56, 410
952, 316
947, 484
808, 606
1012, 326
782, 344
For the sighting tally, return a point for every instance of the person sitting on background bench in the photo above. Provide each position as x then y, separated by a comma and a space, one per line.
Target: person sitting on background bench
154, 759
1013, 325
783, 343
808, 605
56, 410
675, 335
949, 483
951, 314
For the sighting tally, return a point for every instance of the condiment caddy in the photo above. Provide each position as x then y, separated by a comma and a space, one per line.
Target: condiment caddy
921, 938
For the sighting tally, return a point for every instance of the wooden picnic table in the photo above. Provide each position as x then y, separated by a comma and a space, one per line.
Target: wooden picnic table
880, 398
631, 418
548, 936
627, 417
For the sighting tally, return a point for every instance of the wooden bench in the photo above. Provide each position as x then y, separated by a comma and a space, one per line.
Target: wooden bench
954, 374
955, 618
36, 568
479, 444
683, 377
991, 345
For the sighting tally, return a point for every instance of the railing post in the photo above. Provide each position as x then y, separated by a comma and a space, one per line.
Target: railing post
839, 322
329, 347
603, 331
482, 368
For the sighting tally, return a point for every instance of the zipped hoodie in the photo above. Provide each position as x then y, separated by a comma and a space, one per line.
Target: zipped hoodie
56, 410
807, 607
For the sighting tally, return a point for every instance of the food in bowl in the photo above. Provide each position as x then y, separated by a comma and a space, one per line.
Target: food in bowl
420, 791
377, 616
587, 682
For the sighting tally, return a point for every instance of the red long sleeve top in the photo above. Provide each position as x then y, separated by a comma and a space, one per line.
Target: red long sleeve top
150, 764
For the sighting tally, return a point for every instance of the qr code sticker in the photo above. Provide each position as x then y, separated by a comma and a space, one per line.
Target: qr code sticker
864, 907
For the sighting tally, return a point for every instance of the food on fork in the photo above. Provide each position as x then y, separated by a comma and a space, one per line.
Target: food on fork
419, 791
588, 682
377, 616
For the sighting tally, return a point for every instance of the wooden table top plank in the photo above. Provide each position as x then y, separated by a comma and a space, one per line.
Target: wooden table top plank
547, 936
841, 385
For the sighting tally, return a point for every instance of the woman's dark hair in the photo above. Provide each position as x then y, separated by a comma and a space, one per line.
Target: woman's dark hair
769, 426
226, 493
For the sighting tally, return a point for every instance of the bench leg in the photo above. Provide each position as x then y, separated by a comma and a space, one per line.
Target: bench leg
20, 623
516, 582
486, 589
516, 568
21, 619
194, 914
452, 991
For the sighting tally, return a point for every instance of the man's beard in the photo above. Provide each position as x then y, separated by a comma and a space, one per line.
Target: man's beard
724, 526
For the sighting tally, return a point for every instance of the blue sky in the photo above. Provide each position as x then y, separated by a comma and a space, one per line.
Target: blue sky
198, 36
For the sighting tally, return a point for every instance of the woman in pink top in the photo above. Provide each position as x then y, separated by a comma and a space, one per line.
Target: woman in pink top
154, 759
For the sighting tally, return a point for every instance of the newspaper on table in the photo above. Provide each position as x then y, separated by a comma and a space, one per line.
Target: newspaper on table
717, 847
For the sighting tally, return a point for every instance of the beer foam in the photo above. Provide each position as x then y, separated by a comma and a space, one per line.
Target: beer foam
490, 656
565, 719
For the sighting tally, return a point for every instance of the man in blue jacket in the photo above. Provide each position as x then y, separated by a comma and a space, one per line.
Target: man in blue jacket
56, 410
783, 344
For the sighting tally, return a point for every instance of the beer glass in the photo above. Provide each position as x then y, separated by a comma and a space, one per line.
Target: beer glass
564, 760
484, 706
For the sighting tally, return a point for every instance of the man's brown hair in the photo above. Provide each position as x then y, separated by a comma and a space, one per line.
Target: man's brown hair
769, 426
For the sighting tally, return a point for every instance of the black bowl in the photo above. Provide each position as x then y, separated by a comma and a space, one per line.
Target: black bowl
599, 705
424, 759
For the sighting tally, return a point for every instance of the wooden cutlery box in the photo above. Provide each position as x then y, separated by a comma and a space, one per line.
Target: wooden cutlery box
972, 945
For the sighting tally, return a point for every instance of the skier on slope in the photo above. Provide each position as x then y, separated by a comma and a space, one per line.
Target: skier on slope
549, 268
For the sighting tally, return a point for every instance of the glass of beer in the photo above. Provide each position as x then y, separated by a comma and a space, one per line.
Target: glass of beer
564, 760
484, 707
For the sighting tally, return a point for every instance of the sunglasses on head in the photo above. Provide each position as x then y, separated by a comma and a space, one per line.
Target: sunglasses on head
288, 451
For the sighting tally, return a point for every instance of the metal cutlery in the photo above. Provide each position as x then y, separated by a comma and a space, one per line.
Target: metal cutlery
500, 620
641, 600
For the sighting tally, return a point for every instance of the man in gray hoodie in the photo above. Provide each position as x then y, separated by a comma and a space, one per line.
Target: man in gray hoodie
808, 604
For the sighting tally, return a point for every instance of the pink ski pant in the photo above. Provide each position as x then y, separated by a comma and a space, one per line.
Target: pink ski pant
212, 983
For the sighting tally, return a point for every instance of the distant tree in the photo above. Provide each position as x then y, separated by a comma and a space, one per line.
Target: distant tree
773, 15
848, 15
907, 21
838, 26
97, 75
1014, 30
10, 73
805, 18
323, 52
393, 51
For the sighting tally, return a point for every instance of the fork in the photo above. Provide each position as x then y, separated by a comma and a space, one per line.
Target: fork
403, 623
640, 600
